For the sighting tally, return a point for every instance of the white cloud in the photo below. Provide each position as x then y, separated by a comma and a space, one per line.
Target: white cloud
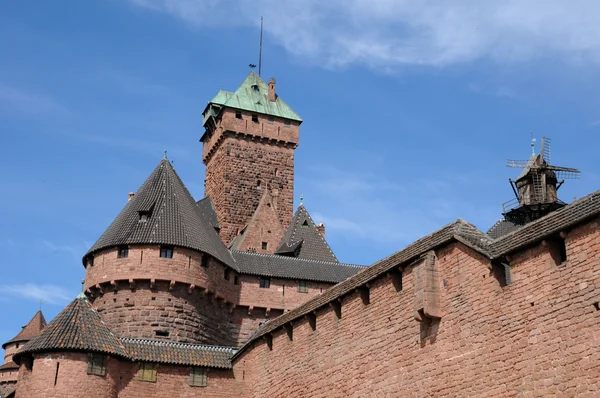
51, 294
390, 33
23, 101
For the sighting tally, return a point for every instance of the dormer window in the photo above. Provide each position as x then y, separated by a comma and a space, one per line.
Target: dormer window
255, 118
255, 87
143, 215
238, 114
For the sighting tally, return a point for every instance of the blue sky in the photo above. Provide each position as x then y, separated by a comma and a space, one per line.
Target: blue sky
410, 110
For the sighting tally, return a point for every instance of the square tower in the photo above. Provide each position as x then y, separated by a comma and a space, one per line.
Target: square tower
248, 146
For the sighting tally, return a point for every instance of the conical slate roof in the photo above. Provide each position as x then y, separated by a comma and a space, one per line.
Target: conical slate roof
77, 328
163, 212
32, 329
303, 240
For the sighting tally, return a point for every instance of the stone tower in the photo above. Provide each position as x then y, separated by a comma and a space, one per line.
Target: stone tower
248, 147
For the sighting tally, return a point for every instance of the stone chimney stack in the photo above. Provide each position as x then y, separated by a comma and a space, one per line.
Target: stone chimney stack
321, 229
272, 95
130, 196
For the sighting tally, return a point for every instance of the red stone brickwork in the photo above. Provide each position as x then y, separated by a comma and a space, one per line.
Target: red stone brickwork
264, 230
535, 337
171, 310
10, 350
282, 293
71, 380
242, 159
173, 381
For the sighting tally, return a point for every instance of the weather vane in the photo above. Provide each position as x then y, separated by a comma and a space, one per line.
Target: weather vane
301, 198
165, 156
252, 66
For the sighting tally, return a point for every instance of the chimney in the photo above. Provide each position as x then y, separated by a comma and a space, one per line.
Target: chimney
321, 229
130, 196
272, 95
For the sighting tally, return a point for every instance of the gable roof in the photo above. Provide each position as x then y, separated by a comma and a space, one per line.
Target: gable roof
76, 328
172, 218
265, 215
253, 95
302, 239
273, 265
179, 353
32, 329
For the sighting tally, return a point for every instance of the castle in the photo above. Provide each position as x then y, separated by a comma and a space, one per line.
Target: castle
238, 295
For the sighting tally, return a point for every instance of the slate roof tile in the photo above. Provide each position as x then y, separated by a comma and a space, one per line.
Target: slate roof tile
173, 219
304, 240
273, 265
179, 353
76, 328
32, 329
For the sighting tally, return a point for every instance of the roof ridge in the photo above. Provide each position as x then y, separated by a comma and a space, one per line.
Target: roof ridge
177, 344
297, 259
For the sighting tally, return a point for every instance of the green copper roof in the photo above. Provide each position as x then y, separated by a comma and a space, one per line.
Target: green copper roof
253, 96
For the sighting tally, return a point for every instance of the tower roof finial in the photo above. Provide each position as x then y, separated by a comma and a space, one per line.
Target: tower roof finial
532, 144
82, 294
301, 198
165, 155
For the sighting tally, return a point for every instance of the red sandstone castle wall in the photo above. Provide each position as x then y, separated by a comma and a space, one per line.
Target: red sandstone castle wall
173, 381
535, 337
8, 375
198, 315
282, 293
236, 165
72, 379
205, 314
10, 350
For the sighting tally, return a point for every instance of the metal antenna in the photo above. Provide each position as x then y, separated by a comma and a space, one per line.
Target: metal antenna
260, 50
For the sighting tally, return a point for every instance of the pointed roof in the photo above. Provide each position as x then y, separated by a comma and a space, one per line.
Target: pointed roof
207, 210
163, 212
32, 329
76, 328
303, 240
252, 95
264, 226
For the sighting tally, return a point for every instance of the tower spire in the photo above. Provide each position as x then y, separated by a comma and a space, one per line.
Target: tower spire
260, 48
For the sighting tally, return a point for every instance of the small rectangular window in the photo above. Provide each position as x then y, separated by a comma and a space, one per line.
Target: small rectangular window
264, 245
204, 262
123, 252
287, 123
303, 286
166, 251
226, 274
236, 280
265, 283
238, 115
255, 118
198, 377
271, 120
96, 364
148, 372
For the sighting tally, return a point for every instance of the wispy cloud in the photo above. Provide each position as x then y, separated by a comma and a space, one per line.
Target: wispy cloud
19, 100
51, 294
334, 33
374, 208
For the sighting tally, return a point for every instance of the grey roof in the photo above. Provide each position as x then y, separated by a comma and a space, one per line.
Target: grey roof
501, 228
302, 239
76, 328
207, 210
173, 218
179, 353
293, 268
